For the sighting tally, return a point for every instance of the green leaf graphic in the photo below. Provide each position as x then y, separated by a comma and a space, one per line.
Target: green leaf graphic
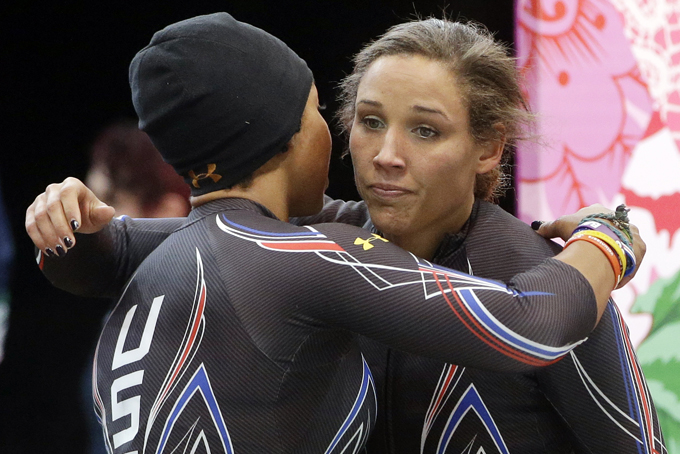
662, 300
659, 354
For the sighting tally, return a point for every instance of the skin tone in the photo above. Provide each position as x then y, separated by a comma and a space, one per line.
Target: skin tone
414, 159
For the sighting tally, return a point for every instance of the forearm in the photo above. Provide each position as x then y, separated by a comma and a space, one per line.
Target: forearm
88, 269
101, 263
595, 267
408, 304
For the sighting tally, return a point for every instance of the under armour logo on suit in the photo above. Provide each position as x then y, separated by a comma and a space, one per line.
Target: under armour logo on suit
367, 242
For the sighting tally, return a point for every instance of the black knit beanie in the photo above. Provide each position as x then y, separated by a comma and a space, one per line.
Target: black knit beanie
218, 98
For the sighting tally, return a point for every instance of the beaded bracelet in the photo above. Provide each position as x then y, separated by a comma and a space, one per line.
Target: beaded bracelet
605, 248
619, 219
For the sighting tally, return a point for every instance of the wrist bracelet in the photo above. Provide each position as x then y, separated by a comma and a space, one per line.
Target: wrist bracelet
619, 218
614, 244
605, 248
615, 234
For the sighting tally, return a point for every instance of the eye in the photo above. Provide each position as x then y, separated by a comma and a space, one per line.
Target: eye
372, 123
425, 132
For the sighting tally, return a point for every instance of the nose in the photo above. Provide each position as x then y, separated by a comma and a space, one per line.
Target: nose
391, 152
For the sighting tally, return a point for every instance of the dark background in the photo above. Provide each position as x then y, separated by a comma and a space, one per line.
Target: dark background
64, 77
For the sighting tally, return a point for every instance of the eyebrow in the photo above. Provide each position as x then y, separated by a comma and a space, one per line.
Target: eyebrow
417, 108
424, 109
370, 102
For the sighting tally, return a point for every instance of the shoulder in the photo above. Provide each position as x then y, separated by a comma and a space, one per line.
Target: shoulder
496, 236
495, 225
491, 216
272, 234
335, 210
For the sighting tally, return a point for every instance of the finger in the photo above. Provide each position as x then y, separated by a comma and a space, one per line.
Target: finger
44, 226
72, 191
57, 218
554, 229
543, 228
86, 213
32, 227
536, 224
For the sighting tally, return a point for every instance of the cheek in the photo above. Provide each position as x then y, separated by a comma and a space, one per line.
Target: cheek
445, 176
360, 151
358, 145
354, 147
323, 138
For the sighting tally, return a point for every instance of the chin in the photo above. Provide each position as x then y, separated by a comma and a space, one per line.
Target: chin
388, 223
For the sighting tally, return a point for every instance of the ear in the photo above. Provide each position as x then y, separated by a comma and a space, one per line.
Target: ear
492, 151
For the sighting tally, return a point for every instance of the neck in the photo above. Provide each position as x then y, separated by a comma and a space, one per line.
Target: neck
422, 246
424, 242
268, 188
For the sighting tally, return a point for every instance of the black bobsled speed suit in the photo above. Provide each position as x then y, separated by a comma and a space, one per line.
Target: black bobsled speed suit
595, 400
235, 335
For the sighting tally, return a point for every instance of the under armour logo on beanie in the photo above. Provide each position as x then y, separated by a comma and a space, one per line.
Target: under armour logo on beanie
195, 179
215, 91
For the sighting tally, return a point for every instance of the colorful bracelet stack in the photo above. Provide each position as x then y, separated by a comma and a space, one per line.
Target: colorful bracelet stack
615, 241
619, 219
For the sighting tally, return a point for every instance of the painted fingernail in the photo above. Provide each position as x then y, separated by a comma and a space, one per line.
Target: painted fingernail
68, 242
74, 225
60, 250
536, 225
49, 252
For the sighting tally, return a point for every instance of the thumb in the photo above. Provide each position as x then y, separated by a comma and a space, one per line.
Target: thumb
102, 214
99, 215
550, 229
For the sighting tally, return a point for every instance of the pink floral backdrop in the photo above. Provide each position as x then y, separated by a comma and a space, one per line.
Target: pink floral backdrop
604, 78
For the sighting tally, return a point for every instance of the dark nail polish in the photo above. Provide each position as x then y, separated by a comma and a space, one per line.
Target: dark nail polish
49, 252
68, 242
60, 250
536, 225
74, 225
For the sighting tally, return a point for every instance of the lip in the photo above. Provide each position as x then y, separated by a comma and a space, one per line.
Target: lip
388, 191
